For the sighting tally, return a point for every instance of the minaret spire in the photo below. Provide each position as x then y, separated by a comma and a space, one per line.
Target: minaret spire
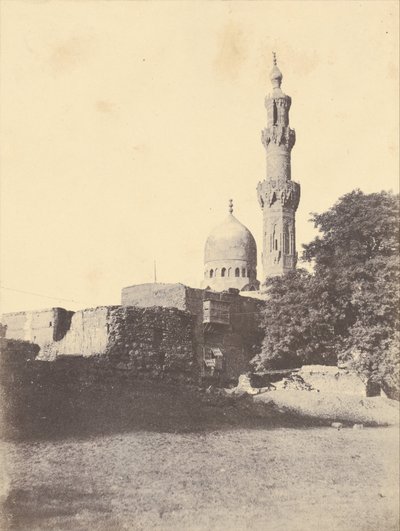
276, 74
230, 206
278, 195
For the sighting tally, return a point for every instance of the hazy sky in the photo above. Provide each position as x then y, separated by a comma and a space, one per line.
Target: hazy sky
126, 127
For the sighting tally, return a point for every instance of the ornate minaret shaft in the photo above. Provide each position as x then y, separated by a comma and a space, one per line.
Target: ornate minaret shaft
278, 194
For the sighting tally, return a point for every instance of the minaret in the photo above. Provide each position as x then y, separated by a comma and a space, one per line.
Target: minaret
278, 194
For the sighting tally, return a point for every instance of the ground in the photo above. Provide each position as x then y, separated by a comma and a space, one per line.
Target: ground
239, 479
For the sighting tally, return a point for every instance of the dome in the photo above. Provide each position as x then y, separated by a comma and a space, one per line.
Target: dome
230, 257
230, 240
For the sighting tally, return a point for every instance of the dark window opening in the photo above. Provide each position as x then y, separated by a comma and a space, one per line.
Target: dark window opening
237, 272
211, 273
286, 240
275, 114
50, 324
223, 271
243, 272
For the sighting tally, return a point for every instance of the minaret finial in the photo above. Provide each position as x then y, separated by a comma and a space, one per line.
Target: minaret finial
276, 74
230, 206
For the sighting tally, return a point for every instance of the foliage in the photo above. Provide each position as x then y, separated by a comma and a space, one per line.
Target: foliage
349, 307
296, 329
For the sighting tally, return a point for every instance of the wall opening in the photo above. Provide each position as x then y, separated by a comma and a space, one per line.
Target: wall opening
274, 114
223, 272
237, 272
286, 240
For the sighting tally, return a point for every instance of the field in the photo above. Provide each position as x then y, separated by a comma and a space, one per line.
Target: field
239, 479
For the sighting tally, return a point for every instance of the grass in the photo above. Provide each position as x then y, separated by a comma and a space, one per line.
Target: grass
237, 479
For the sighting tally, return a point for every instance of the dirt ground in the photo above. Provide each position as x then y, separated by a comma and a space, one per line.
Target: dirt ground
237, 479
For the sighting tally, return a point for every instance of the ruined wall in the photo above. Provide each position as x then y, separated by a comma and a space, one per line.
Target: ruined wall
331, 379
157, 342
238, 339
160, 328
87, 335
40, 327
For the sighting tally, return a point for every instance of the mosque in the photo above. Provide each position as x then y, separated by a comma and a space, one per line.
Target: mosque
212, 332
230, 255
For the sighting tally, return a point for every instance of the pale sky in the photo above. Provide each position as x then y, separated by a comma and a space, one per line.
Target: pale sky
127, 126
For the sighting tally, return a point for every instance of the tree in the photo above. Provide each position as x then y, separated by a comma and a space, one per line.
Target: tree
349, 306
358, 256
298, 322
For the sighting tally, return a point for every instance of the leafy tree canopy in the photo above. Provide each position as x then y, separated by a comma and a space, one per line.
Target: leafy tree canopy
348, 309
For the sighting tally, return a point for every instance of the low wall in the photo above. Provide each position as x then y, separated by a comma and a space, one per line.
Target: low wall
87, 335
40, 327
331, 379
153, 340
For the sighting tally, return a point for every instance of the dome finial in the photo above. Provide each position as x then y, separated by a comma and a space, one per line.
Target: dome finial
230, 206
274, 58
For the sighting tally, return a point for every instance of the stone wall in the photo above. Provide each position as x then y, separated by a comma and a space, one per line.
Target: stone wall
40, 327
87, 335
331, 379
238, 339
153, 341
160, 329
157, 342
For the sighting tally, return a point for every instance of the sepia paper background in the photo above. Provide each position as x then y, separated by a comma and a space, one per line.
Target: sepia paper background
126, 127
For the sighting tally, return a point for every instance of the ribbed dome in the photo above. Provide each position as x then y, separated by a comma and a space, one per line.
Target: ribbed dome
231, 240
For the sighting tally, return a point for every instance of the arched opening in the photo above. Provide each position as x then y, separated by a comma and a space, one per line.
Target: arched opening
243, 271
274, 239
237, 272
223, 272
274, 114
211, 273
229, 271
286, 240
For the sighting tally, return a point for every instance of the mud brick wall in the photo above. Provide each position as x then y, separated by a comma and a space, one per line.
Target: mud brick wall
37, 327
155, 342
87, 335
155, 294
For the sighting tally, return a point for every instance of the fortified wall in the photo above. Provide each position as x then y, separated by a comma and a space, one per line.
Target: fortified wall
226, 331
159, 330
